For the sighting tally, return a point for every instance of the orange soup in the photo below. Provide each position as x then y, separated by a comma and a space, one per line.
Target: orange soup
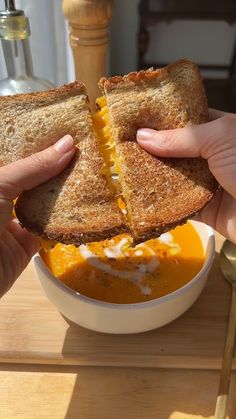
115, 272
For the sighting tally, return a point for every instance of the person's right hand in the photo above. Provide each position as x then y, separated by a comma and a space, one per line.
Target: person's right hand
216, 142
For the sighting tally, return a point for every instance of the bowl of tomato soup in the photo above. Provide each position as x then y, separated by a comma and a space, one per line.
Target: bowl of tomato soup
113, 287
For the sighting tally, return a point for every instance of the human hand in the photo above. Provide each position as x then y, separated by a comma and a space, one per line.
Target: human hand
216, 142
17, 245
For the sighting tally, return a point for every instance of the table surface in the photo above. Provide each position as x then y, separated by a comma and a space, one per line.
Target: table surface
69, 372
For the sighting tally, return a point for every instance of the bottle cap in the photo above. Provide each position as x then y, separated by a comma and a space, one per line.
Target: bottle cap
10, 10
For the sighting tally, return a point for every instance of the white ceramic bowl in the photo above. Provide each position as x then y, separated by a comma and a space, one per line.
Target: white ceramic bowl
127, 318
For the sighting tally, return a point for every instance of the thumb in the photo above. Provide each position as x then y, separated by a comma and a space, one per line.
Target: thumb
193, 141
27, 173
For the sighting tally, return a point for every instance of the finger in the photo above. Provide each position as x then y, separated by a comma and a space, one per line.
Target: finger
28, 241
215, 114
197, 217
192, 141
27, 173
6, 209
17, 248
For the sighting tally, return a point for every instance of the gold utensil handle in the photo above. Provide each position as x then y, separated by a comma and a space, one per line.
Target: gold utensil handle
223, 391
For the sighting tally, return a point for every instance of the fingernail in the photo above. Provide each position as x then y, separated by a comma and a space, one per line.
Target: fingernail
144, 134
65, 144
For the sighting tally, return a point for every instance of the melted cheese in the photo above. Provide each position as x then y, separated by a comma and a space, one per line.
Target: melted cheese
103, 130
114, 271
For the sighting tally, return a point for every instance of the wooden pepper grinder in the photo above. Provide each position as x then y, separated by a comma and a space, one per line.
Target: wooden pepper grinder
89, 37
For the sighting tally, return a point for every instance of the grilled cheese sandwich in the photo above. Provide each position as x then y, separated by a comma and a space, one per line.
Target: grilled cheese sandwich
112, 186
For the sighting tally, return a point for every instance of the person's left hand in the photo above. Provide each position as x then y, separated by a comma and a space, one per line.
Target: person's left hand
17, 245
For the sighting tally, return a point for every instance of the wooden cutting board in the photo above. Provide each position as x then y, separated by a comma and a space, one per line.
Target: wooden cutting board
33, 331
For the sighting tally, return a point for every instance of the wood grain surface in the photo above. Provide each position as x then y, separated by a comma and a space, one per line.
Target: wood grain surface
43, 392
33, 331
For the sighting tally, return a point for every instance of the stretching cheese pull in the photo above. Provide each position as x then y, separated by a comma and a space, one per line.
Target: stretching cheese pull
103, 130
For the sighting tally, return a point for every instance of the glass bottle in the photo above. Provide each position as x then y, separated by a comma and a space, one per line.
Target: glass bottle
14, 35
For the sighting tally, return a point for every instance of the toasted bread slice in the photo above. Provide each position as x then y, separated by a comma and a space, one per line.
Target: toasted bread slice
159, 193
77, 206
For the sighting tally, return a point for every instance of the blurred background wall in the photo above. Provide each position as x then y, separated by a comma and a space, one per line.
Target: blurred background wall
207, 42
203, 41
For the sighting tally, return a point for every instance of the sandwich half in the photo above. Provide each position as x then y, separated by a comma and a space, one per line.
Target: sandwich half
158, 193
78, 205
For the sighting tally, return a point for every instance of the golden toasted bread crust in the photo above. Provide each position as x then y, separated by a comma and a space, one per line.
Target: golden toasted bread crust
77, 206
70, 89
159, 193
146, 76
